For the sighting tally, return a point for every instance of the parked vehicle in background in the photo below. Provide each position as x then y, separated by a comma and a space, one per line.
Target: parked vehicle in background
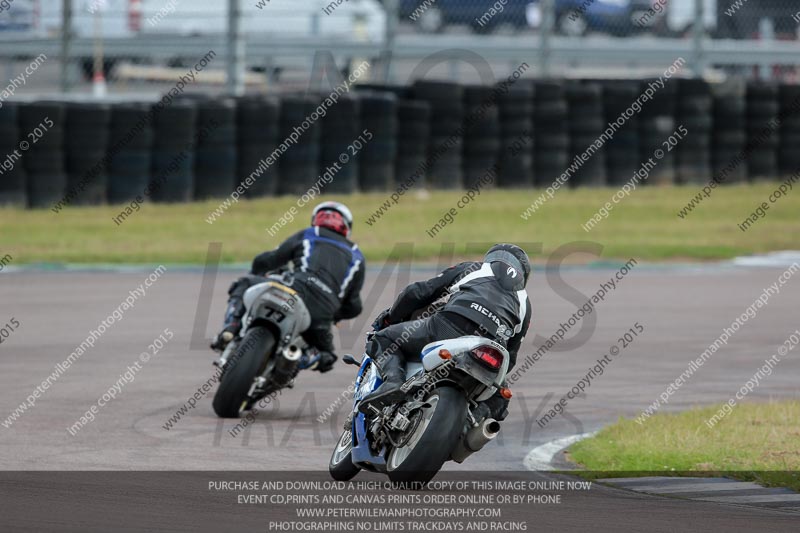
19, 16
354, 19
574, 18
680, 16
726, 20
431, 16
363, 20
615, 17
745, 22
359, 20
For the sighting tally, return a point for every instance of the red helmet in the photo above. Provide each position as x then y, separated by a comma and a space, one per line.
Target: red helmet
334, 216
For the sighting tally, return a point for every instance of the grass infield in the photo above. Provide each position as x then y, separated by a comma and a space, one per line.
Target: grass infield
755, 442
644, 225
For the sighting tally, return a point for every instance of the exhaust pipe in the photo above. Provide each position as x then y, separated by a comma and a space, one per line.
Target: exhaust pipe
286, 366
475, 439
292, 353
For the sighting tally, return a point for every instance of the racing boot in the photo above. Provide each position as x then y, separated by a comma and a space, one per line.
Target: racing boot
225, 336
231, 327
394, 375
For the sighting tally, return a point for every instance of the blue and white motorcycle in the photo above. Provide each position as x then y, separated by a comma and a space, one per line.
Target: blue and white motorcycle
412, 439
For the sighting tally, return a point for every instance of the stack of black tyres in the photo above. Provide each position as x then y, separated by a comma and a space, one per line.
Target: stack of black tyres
551, 145
656, 125
413, 134
376, 159
729, 137
693, 111
622, 150
585, 102
173, 152
12, 172
762, 134
129, 151
299, 165
85, 142
788, 150
215, 165
257, 122
515, 158
481, 132
44, 159
400, 91
340, 128
447, 132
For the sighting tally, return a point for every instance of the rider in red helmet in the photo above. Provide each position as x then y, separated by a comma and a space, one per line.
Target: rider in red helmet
327, 271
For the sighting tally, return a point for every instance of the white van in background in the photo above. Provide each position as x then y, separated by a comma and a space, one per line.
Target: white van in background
350, 20
353, 19
363, 20
17, 16
680, 16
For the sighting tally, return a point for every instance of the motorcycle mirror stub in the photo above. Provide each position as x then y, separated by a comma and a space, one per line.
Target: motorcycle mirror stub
350, 360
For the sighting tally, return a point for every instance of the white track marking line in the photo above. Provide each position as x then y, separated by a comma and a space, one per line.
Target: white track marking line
541, 457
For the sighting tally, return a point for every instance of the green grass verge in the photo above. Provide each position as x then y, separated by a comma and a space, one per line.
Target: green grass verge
644, 225
755, 442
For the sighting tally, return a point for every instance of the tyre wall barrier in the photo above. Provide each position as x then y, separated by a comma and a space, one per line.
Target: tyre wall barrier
44, 160
433, 134
258, 129
551, 144
215, 162
172, 154
13, 191
130, 155
515, 158
379, 125
693, 111
482, 135
762, 134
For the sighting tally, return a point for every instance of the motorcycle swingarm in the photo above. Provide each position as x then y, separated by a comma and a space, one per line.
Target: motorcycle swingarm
429, 379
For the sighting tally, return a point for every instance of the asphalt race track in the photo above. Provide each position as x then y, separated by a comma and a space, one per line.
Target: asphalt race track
682, 309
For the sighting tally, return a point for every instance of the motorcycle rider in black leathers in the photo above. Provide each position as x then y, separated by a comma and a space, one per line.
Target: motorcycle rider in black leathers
328, 275
486, 299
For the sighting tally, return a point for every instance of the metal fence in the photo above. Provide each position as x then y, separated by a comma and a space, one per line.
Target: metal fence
121, 48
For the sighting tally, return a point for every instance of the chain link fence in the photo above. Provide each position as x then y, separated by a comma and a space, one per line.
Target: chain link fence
722, 19
125, 47
139, 47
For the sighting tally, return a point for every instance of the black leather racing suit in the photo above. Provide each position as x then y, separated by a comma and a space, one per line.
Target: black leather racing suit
485, 299
328, 276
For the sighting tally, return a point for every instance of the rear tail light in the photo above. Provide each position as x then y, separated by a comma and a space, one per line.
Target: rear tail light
488, 357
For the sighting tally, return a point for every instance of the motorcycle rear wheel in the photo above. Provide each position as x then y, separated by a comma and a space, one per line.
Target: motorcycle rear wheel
247, 362
433, 439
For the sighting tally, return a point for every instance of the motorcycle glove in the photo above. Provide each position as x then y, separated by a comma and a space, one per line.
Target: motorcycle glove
382, 321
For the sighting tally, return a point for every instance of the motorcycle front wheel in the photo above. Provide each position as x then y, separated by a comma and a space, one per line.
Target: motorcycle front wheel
341, 465
246, 362
433, 438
